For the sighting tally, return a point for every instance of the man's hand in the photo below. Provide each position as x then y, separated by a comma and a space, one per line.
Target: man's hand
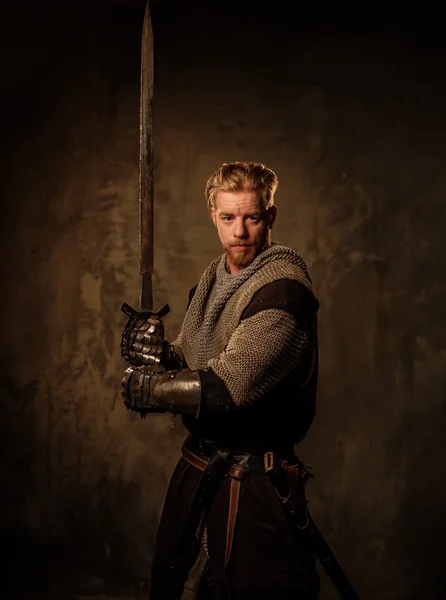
142, 341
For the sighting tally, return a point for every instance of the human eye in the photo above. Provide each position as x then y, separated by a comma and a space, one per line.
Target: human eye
226, 218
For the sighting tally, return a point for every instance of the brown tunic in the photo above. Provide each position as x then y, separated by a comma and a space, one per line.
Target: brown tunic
270, 558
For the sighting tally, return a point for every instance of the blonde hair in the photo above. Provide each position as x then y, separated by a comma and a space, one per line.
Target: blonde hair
241, 176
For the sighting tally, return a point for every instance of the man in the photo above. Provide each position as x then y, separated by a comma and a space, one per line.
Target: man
242, 373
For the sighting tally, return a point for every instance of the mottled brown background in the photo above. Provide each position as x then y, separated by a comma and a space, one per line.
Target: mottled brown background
349, 109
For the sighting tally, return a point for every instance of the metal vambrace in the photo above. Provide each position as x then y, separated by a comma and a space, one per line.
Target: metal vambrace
177, 392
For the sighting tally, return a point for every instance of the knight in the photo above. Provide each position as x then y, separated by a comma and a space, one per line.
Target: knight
242, 374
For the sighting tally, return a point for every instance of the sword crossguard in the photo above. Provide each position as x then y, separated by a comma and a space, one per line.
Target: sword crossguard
133, 313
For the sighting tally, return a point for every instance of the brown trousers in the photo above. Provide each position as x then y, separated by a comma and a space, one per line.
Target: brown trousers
270, 559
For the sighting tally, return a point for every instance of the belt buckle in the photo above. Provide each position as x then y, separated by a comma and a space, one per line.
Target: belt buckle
241, 459
269, 462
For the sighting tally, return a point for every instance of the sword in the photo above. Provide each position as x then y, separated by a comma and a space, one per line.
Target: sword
146, 188
330, 565
317, 542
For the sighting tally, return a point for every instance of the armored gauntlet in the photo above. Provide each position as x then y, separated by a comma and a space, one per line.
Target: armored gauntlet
175, 391
143, 343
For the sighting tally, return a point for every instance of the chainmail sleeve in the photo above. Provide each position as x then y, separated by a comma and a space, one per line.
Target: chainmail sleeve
261, 352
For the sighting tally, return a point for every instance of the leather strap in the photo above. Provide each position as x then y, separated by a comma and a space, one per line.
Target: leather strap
236, 474
193, 459
214, 470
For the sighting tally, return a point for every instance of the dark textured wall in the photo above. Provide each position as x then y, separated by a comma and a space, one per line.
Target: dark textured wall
352, 119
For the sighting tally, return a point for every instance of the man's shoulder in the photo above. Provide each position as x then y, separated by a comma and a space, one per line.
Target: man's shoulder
280, 261
286, 294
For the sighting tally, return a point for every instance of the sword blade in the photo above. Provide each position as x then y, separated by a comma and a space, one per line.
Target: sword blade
146, 188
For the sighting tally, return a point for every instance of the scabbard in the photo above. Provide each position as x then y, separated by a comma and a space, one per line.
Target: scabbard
214, 471
330, 565
318, 544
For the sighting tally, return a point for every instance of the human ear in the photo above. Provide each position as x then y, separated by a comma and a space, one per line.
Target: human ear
272, 214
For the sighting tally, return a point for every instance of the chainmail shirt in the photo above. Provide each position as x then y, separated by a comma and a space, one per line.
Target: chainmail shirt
252, 355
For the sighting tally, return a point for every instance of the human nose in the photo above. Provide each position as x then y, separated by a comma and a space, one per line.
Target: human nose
240, 231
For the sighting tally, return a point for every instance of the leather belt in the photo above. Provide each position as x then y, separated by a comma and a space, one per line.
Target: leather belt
205, 449
193, 459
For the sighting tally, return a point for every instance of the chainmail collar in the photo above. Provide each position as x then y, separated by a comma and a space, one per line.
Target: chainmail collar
224, 279
224, 284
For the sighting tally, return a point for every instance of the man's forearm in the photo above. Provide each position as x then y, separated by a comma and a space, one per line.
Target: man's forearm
182, 392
